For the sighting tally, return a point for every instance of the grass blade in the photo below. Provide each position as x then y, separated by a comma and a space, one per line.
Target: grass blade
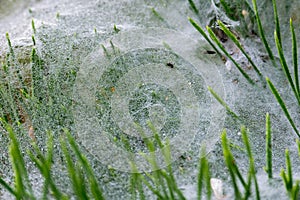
203, 175
238, 44
95, 189
11, 50
136, 185
276, 19
252, 170
298, 145
295, 57
202, 32
285, 66
75, 173
33, 26
216, 40
221, 101
7, 187
230, 164
262, 34
193, 6
22, 184
289, 169
282, 105
268, 167
287, 176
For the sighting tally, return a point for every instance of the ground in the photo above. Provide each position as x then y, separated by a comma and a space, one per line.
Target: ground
136, 60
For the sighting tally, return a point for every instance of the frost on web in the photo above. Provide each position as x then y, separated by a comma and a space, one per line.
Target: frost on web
142, 77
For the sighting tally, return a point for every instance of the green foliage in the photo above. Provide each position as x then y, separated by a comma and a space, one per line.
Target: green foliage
234, 171
294, 84
204, 176
238, 44
287, 177
161, 182
221, 101
268, 167
282, 105
262, 33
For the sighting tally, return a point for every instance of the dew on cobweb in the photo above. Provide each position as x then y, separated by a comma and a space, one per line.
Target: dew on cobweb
120, 92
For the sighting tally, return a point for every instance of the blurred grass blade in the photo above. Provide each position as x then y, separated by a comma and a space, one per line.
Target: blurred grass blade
230, 164
7, 187
204, 176
298, 145
216, 40
75, 174
221, 101
151, 158
238, 44
23, 187
287, 176
268, 167
193, 6
155, 191
202, 32
33, 26
262, 34
295, 190
282, 105
95, 188
11, 50
295, 57
285, 67
44, 165
252, 170
136, 185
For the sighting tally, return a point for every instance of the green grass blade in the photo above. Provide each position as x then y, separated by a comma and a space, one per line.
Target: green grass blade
285, 67
221, 101
252, 170
238, 44
216, 40
172, 186
202, 32
75, 174
227, 9
295, 57
277, 24
262, 34
33, 26
268, 167
11, 50
193, 6
200, 178
295, 190
44, 165
95, 188
136, 183
151, 158
156, 14
282, 105
288, 176
22, 184
230, 163
203, 176
285, 179
7, 187
298, 145
289, 169
155, 191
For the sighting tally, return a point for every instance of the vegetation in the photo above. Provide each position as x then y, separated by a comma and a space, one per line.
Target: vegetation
22, 95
